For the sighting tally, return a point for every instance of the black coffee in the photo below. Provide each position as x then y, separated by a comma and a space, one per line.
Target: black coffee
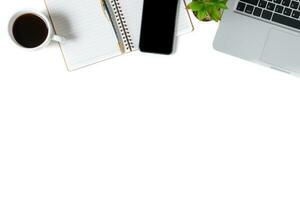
30, 31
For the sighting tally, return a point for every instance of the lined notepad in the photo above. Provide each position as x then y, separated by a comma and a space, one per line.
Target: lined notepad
92, 35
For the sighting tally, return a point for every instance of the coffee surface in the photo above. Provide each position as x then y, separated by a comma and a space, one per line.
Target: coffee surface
30, 31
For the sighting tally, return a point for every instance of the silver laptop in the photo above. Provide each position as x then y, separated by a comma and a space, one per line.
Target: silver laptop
262, 31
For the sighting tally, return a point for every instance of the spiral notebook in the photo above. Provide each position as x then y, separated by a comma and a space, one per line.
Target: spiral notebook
96, 30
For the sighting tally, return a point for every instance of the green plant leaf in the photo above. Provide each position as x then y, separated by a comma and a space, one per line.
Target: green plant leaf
208, 9
202, 15
195, 6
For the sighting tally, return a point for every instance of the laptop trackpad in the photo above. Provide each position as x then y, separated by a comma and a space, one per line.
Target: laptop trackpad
282, 50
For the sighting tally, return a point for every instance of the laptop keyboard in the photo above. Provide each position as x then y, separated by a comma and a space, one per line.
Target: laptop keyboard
285, 12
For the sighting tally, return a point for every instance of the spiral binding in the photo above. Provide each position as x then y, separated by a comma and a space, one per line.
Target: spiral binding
122, 25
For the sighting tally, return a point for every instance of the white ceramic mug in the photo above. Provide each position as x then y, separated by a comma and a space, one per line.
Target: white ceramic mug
51, 35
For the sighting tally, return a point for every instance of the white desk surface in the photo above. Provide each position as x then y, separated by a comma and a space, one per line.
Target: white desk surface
195, 125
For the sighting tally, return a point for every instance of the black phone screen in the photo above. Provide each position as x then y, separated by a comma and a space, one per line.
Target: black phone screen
158, 26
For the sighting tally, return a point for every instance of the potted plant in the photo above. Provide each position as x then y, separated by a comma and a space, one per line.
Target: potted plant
207, 10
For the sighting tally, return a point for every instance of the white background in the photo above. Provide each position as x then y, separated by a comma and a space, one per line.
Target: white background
195, 125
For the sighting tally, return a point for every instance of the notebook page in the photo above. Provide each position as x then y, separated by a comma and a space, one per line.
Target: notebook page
133, 11
89, 34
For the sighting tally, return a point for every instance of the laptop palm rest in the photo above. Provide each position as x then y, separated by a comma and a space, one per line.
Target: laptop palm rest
282, 49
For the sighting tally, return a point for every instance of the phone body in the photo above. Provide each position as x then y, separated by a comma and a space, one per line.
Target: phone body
158, 26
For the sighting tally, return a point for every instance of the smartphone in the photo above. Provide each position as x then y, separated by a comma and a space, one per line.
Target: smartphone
158, 26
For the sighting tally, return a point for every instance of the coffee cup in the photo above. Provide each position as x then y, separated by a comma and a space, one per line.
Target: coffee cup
32, 30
